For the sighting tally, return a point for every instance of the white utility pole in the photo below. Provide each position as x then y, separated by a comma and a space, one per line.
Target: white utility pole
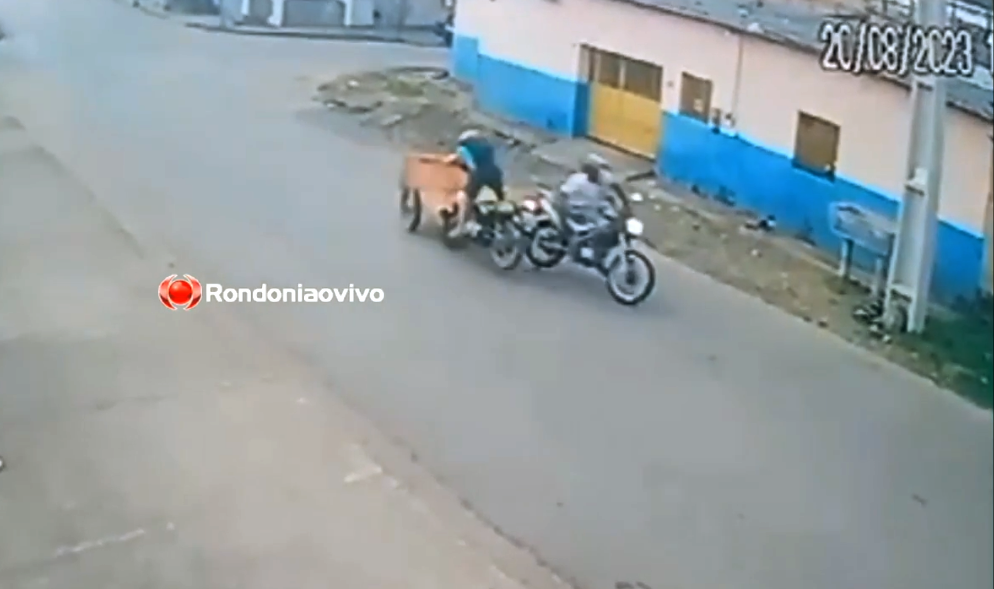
910, 273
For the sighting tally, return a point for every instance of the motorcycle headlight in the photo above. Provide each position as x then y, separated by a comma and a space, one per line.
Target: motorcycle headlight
633, 226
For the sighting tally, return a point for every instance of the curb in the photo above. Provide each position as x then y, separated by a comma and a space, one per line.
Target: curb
156, 12
141, 6
315, 36
153, 12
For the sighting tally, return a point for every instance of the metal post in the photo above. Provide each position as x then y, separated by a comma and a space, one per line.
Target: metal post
987, 273
990, 43
910, 273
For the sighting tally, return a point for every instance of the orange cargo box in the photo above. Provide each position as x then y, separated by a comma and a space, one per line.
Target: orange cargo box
429, 173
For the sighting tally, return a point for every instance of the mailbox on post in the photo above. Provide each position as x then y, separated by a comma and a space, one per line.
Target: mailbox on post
872, 232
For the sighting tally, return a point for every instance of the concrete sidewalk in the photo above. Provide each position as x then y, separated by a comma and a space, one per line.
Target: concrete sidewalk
415, 37
171, 450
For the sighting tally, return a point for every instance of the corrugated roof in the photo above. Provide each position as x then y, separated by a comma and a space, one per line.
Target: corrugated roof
985, 4
797, 25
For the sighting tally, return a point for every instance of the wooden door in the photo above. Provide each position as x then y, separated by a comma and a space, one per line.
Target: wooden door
625, 102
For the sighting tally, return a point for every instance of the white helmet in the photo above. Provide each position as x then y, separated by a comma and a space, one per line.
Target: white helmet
596, 160
468, 134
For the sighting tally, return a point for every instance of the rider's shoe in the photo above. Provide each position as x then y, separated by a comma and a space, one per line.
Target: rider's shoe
471, 228
599, 257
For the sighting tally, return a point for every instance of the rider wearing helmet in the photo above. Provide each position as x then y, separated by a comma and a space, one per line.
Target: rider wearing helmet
587, 198
478, 156
582, 191
599, 162
609, 181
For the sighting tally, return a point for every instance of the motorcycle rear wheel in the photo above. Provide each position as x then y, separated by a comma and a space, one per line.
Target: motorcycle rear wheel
505, 250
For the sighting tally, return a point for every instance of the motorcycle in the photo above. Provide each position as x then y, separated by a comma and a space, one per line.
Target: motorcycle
607, 248
494, 224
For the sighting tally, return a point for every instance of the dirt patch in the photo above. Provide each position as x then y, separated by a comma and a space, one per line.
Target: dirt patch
426, 110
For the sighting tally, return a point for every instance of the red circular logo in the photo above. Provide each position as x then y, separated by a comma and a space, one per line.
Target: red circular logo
180, 293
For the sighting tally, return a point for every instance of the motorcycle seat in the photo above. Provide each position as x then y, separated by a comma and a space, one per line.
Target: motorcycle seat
506, 207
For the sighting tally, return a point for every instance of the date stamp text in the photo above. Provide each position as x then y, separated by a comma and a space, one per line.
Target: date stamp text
859, 47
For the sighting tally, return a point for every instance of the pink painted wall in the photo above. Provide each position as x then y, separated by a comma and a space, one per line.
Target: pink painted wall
874, 118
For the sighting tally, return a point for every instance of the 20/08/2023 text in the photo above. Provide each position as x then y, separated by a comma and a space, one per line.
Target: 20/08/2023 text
899, 50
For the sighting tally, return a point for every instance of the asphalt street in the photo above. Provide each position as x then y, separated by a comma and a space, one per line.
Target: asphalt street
180, 452
702, 440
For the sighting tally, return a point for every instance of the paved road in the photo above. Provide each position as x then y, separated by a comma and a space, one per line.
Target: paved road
701, 441
180, 452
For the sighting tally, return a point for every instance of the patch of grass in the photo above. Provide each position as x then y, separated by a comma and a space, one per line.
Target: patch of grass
404, 88
959, 351
956, 350
843, 286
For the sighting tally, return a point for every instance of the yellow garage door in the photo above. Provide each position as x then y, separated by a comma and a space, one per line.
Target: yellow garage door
625, 98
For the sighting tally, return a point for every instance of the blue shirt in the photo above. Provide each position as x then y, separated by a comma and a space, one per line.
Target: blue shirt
477, 152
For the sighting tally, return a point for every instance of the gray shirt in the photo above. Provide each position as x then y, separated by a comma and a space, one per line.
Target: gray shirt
581, 193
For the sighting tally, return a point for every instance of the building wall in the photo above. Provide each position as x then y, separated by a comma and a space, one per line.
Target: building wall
546, 92
874, 119
336, 13
313, 13
191, 6
259, 11
231, 12
396, 13
534, 76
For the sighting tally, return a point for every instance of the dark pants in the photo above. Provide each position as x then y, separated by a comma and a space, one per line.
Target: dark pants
489, 177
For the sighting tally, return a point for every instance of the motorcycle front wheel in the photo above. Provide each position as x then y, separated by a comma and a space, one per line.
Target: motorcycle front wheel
632, 282
546, 248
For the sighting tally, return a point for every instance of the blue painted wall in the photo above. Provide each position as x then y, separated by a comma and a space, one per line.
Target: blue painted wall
691, 153
535, 98
464, 56
766, 182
